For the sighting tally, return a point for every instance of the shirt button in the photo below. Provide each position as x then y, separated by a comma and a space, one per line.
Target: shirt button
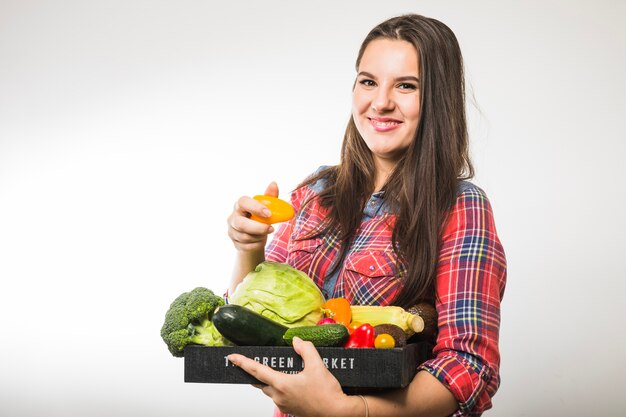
371, 267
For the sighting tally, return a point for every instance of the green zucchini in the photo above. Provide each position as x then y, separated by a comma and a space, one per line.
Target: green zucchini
245, 327
321, 335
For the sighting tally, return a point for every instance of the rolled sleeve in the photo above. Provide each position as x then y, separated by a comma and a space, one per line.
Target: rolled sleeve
471, 276
467, 381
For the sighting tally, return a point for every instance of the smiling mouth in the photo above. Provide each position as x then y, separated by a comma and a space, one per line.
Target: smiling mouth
383, 124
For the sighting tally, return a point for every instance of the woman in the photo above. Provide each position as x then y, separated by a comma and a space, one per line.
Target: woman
394, 223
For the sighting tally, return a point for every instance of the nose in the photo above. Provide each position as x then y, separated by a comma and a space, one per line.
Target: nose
382, 101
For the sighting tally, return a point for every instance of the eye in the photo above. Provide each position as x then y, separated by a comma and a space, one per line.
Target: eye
367, 82
407, 86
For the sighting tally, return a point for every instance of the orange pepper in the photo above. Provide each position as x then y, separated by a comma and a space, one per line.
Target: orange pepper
281, 210
339, 310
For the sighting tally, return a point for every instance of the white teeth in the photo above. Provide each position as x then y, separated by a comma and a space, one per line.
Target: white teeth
384, 124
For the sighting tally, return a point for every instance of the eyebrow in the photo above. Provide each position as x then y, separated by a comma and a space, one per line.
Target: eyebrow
404, 78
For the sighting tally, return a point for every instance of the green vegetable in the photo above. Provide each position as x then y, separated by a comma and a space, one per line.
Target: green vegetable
188, 321
281, 293
322, 335
244, 327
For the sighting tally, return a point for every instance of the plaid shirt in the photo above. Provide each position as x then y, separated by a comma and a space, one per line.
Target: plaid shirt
471, 275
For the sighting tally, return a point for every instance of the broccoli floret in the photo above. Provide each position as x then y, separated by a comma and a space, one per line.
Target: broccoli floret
188, 321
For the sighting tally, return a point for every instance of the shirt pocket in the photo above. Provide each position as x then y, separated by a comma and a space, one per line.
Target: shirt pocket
370, 277
301, 252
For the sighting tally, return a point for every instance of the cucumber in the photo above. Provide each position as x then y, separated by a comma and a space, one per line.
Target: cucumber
321, 335
245, 327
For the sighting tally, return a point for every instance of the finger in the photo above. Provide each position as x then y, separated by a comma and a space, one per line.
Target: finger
268, 390
246, 238
248, 205
310, 355
256, 230
263, 373
272, 189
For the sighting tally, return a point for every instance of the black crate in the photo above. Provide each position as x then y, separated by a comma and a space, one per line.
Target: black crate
357, 367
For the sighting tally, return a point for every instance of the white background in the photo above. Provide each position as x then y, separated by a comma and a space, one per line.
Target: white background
128, 128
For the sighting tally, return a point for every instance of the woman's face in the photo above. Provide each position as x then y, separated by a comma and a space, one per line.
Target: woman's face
386, 99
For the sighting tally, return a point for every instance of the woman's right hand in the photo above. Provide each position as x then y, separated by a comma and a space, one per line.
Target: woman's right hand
250, 236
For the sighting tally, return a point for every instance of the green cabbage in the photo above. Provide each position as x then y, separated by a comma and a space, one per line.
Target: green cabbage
280, 293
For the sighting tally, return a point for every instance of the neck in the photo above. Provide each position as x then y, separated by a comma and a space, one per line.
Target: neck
383, 170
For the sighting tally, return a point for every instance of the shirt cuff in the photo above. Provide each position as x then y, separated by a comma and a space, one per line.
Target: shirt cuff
466, 379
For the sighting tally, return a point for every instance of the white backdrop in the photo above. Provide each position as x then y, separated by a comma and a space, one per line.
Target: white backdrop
128, 129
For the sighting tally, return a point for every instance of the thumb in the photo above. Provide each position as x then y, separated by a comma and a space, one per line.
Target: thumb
310, 355
272, 189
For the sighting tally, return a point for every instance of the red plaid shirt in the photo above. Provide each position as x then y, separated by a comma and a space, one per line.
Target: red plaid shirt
471, 275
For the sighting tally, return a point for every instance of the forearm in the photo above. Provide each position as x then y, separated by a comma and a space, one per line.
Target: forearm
245, 262
425, 396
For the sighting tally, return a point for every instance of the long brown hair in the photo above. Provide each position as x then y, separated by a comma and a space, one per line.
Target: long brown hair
422, 188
